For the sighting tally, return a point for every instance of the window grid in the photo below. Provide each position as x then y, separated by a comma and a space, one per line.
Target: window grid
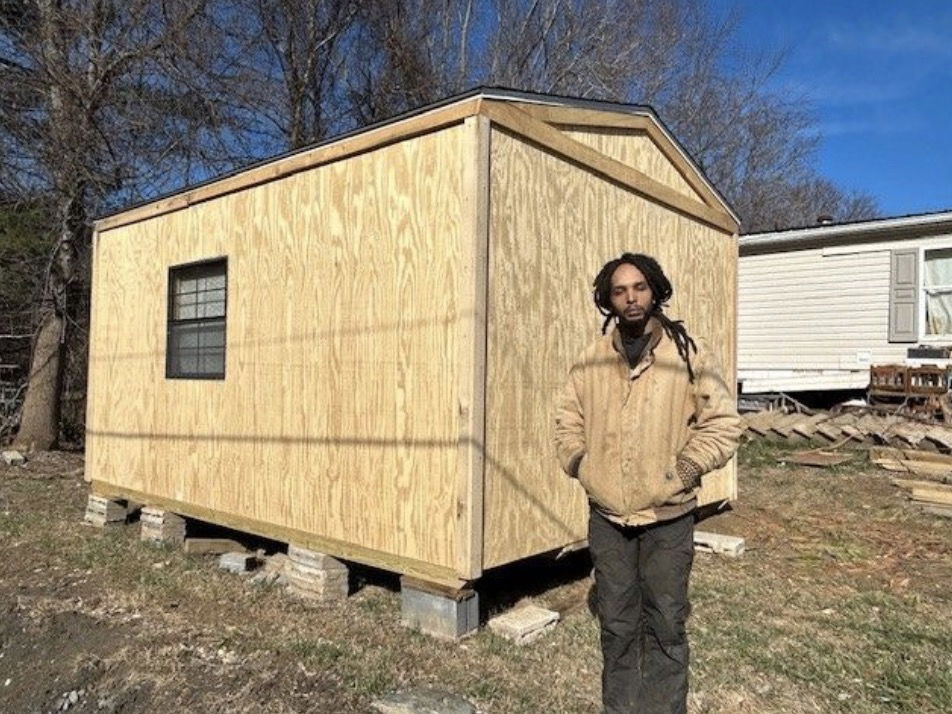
195, 342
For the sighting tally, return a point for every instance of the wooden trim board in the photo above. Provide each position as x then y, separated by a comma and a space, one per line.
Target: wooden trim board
595, 118
340, 549
473, 278
523, 124
363, 142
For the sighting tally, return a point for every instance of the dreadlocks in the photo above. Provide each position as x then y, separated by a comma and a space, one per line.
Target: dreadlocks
661, 292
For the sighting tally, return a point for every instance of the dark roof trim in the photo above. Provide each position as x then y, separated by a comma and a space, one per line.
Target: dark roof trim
878, 229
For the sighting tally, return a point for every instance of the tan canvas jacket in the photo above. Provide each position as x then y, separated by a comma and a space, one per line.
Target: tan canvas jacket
621, 431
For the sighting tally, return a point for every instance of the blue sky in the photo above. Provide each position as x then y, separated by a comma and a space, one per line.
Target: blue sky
878, 76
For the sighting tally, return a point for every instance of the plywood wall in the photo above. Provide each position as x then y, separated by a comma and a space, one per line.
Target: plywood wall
635, 148
552, 226
338, 415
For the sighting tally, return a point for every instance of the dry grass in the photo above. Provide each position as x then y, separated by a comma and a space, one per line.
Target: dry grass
841, 604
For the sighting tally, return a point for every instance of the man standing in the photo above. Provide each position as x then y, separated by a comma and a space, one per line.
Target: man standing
645, 413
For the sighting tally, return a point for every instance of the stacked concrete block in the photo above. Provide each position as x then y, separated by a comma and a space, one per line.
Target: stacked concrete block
316, 576
524, 624
103, 512
162, 526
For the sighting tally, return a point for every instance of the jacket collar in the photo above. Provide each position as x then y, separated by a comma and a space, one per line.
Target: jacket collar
656, 332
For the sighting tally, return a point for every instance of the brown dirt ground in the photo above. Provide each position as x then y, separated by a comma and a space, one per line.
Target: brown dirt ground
840, 604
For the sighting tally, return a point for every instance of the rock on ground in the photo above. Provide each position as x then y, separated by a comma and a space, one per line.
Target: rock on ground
423, 701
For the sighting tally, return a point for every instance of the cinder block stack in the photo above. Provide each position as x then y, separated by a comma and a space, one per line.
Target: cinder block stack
315, 576
162, 526
102, 512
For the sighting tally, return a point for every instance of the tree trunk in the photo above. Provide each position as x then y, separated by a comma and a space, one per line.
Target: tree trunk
39, 423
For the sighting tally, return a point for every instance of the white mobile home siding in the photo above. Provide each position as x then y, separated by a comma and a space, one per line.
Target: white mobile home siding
816, 318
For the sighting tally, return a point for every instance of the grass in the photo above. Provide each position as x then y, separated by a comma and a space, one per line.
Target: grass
839, 605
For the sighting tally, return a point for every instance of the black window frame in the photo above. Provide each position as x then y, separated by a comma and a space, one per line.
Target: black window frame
172, 322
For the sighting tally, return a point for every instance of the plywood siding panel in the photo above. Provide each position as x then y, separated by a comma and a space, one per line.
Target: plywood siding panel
636, 149
552, 226
806, 310
338, 415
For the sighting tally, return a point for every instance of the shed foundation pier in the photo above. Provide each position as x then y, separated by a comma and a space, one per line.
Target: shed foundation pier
102, 512
316, 576
445, 613
162, 526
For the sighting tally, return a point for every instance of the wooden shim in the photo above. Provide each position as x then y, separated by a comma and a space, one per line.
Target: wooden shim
706, 542
213, 546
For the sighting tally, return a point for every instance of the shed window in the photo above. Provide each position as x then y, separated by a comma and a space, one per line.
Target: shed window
195, 346
937, 292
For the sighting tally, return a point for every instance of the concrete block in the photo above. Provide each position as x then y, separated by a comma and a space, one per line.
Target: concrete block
525, 624
237, 562
13, 458
731, 546
103, 512
162, 526
448, 615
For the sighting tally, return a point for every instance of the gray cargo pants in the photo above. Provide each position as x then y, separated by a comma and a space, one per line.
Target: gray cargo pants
641, 579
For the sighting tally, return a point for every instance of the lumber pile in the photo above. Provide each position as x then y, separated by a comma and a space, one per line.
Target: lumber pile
856, 427
932, 487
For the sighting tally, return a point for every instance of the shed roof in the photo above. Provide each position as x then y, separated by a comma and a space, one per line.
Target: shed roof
532, 115
866, 231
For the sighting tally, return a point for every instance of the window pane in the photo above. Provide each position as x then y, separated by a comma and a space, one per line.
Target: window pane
938, 267
213, 334
938, 295
184, 285
214, 308
185, 312
213, 362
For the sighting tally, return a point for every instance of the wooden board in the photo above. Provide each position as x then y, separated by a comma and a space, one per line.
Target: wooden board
553, 224
339, 415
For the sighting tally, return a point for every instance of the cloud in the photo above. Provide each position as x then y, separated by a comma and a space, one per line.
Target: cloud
923, 42
868, 125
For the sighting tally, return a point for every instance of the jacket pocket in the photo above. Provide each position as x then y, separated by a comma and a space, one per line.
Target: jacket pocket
597, 490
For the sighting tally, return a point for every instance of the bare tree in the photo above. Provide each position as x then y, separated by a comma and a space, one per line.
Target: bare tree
92, 114
757, 147
285, 60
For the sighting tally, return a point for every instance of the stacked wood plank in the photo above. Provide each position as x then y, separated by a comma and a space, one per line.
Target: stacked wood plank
932, 486
848, 428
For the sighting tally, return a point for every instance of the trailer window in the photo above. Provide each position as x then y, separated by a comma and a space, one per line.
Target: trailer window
195, 344
937, 291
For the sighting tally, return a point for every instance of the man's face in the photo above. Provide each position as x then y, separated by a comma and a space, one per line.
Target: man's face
631, 297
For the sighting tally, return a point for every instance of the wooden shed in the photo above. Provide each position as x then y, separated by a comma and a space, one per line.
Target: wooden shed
353, 348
